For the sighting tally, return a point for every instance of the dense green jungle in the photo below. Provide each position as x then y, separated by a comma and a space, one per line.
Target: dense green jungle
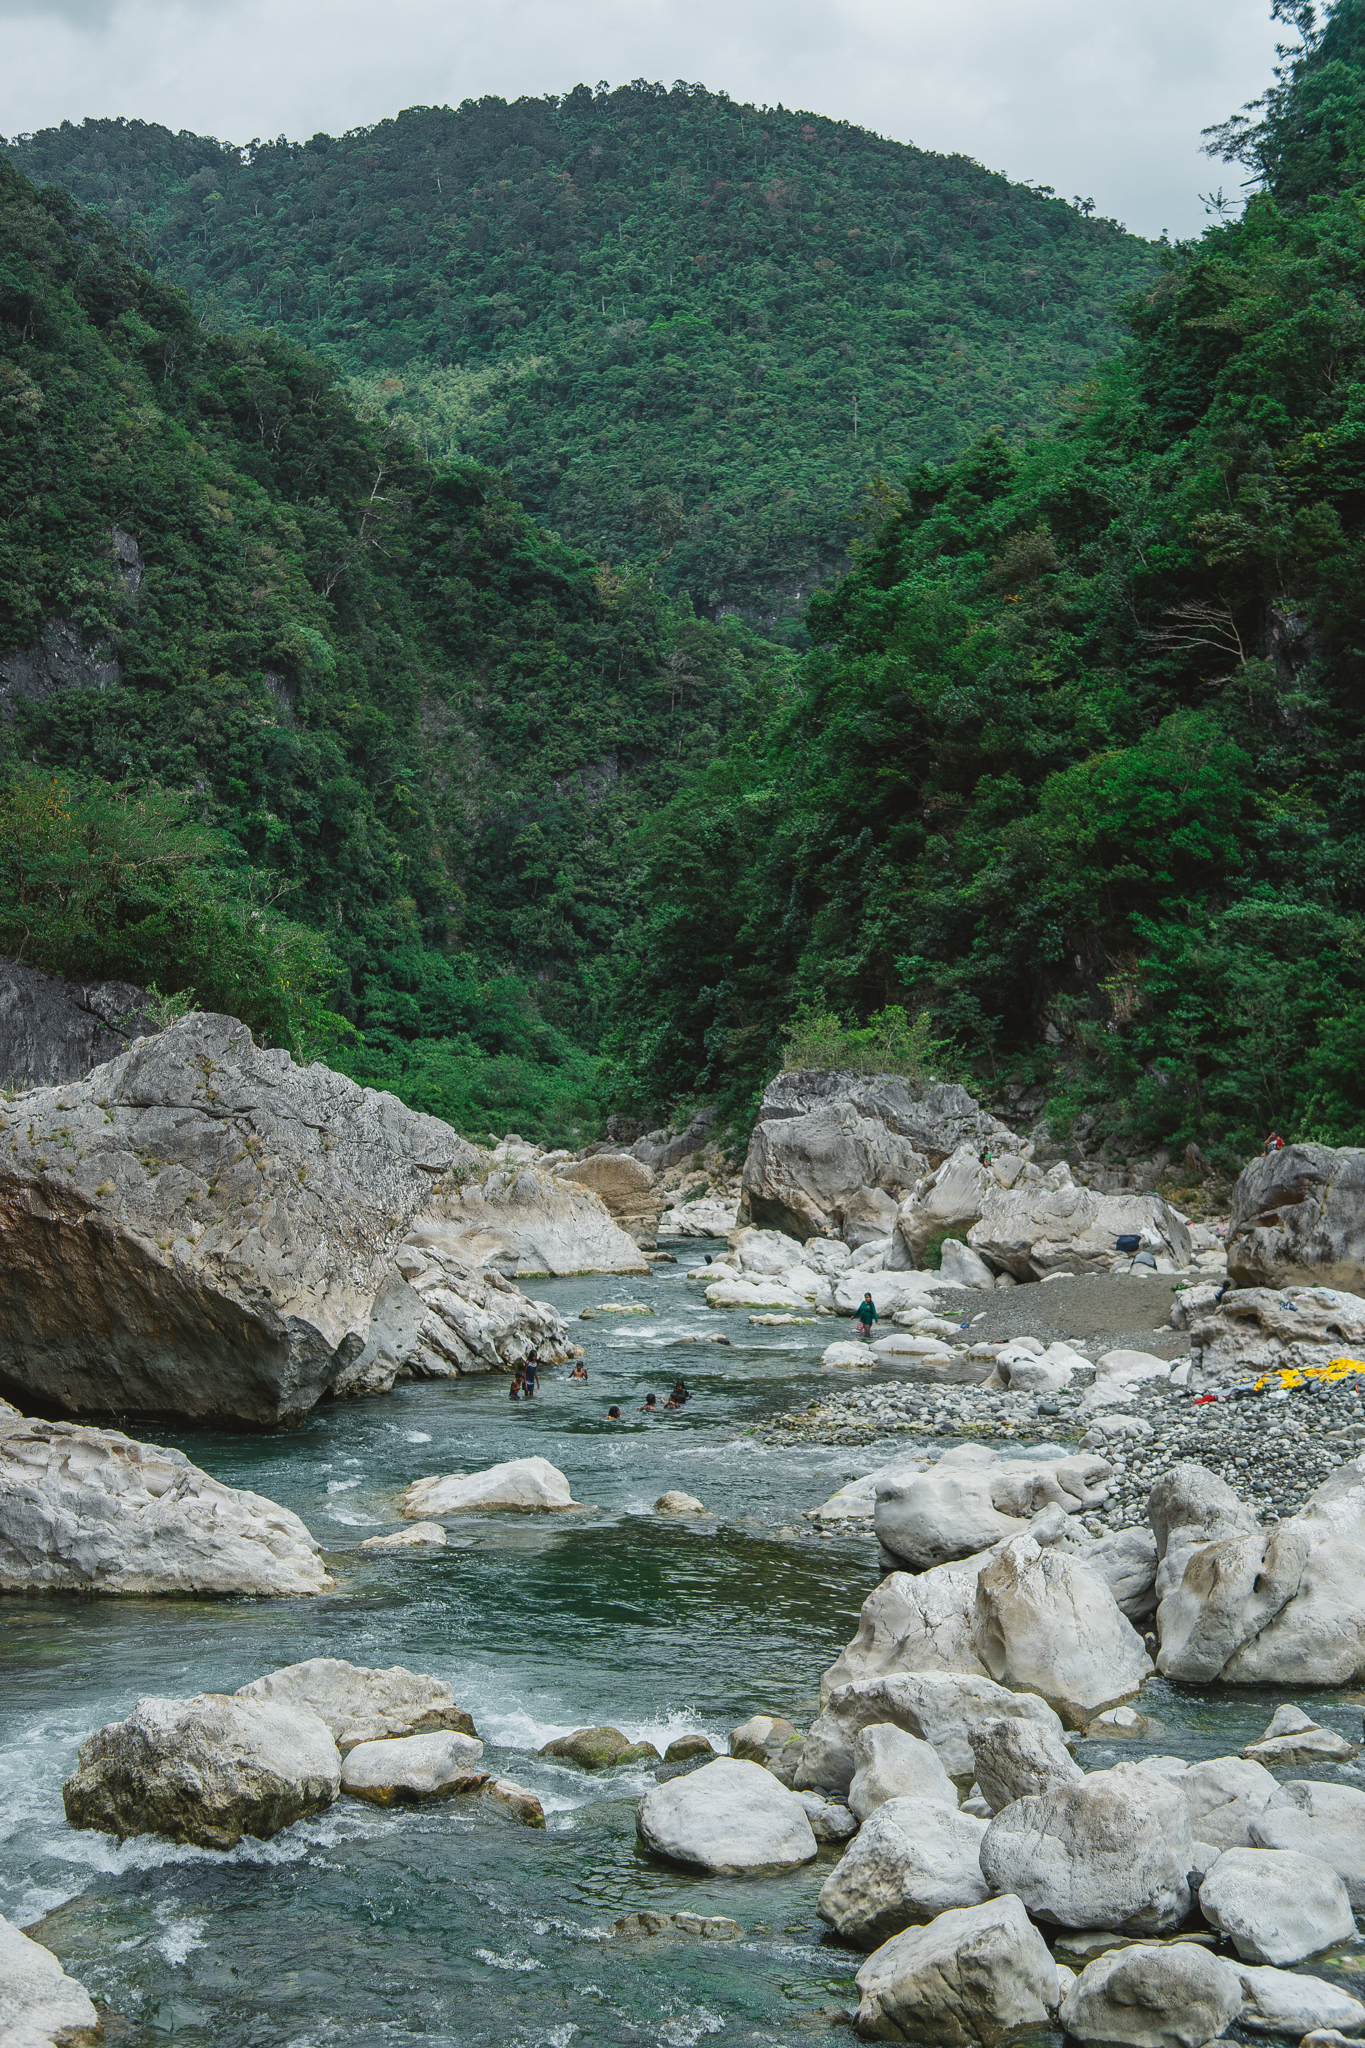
1063, 796
690, 331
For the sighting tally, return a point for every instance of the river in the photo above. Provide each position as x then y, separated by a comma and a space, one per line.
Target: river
441, 1924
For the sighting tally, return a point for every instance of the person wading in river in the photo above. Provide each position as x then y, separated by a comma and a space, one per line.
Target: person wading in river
867, 1316
532, 1375
514, 1392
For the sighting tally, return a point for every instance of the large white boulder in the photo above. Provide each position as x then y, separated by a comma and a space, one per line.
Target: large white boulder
1047, 1621
910, 1860
957, 1261
1015, 1759
767, 1253
709, 1216
729, 1817
206, 1770
950, 1198
523, 1220
890, 1763
87, 1510
891, 1292
202, 1228
848, 1355
1126, 1560
828, 1170
913, 1622
1276, 1905
1175, 1995
1291, 2003
40, 2006
1223, 1796
449, 1319
528, 1483
361, 1704
1052, 1226
1113, 1851
1298, 1217
1293, 1738
965, 1981
1189, 1507
1319, 1819
1283, 1605
941, 1708
413, 1767
972, 1499
627, 1188
1254, 1329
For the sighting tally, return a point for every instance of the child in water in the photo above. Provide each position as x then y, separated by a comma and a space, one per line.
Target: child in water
614, 1415
580, 1373
514, 1392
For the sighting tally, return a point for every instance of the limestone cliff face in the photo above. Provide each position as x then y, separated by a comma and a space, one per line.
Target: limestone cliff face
52, 1030
201, 1227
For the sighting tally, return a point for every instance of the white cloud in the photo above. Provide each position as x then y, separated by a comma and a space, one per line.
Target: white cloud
1100, 98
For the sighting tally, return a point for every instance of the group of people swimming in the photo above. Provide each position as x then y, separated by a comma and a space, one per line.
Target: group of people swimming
526, 1384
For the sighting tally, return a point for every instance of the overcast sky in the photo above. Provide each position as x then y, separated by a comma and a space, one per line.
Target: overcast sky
1103, 99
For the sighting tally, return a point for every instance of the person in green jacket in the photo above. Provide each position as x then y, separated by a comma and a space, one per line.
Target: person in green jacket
867, 1316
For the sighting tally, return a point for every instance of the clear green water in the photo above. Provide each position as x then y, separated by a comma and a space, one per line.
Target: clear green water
440, 1925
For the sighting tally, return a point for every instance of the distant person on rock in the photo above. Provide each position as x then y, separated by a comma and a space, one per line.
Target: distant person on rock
867, 1316
649, 1406
1274, 1143
532, 1375
514, 1392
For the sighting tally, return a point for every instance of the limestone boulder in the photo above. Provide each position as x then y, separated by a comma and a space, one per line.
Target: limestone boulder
1281, 1605
971, 1500
1016, 1759
1172, 1995
1047, 1621
1298, 1217
1233, 1336
1052, 1226
413, 1768
86, 1510
849, 1356
1276, 1906
892, 1293
940, 1708
597, 1749
421, 1536
201, 1228
890, 1763
1290, 2003
1113, 1851
913, 1623
440, 1318
1187, 1508
1314, 1817
952, 1197
1293, 1737
1126, 1560
360, 1703
767, 1254
1223, 1796
627, 1188
829, 1171
967, 1980
770, 1740
206, 1770
957, 1261
936, 1119
531, 1484
910, 1860
709, 1216
40, 2006
830, 1820
53, 1030
729, 1817
524, 1220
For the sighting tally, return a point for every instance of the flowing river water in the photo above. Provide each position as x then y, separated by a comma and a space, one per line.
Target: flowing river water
443, 1924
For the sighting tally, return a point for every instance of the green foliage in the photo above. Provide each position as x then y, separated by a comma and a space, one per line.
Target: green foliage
692, 330
1076, 764
889, 1043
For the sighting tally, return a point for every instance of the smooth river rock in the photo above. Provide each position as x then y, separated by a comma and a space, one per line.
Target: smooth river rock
413, 1767
941, 1708
1290, 2003
1293, 1737
362, 1704
1172, 1995
965, 1981
206, 1770
1015, 1759
911, 1859
595, 1749
40, 2006
1046, 1621
730, 1818
1276, 1906
1223, 1796
201, 1228
1034, 1228
1113, 1851
86, 1510
1318, 1819
890, 1763
526, 1483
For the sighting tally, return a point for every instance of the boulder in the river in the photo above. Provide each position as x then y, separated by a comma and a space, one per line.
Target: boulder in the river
685, 1749
206, 1770
413, 1767
1126, 1559
770, 1740
514, 1802
627, 1188
967, 1980
1290, 2003
525, 1483
1113, 1851
1189, 1507
949, 1198
1281, 1605
1014, 1759
890, 1763
201, 1227
362, 1704
524, 1221
707, 1217
911, 1859
1166, 1995
831, 1171
439, 1319
40, 2006
1044, 1620
972, 1499
1276, 1905
596, 1749
1223, 1796
848, 1353
1298, 1217
1293, 1737
941, 1708
675, 1503
830, 1819
1321, 1819
1053, 1226
86, 1510
421, 1536
729, 1817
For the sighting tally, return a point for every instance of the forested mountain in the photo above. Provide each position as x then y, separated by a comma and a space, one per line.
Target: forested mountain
690, 330
1077, 764
298, 721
